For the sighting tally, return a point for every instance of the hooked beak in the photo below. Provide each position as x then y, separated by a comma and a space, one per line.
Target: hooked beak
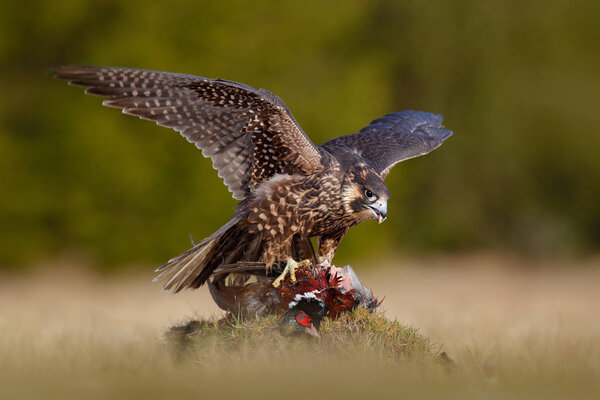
312, 331
379, 210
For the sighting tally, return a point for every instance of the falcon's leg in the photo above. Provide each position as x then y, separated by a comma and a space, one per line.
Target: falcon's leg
290, 268
328, 244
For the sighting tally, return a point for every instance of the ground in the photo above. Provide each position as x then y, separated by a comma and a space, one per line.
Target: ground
514, 328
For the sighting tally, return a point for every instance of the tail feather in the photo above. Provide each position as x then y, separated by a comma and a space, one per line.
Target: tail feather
193, 267
231, 244
189, 267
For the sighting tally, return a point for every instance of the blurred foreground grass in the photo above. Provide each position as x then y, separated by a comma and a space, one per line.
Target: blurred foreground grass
513, 332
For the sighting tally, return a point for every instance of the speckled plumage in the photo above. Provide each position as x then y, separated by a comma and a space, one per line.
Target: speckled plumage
290, 189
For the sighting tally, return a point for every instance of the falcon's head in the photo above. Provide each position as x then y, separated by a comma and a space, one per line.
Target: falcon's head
364, 194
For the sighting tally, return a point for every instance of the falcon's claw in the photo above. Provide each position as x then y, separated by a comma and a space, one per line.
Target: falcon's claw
290, 268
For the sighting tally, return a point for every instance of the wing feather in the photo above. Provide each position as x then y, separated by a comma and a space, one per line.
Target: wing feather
230, 122
395, 137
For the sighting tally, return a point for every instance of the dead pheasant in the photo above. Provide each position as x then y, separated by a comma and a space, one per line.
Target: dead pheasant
244, 290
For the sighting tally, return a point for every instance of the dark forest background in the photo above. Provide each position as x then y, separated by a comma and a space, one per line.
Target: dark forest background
518, 83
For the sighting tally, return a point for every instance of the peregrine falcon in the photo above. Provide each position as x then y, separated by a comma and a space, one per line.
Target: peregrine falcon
289, 188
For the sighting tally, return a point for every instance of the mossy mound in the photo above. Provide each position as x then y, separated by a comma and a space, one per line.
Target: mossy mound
356, 334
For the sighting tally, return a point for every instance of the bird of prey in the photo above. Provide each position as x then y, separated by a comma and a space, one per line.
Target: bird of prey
289, 188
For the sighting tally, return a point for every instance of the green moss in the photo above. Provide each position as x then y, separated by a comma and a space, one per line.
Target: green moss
357, 334
373, 332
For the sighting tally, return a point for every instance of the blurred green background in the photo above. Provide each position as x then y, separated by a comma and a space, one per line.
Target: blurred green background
518, 83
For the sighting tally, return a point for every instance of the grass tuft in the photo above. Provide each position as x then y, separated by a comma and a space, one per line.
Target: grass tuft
356, 334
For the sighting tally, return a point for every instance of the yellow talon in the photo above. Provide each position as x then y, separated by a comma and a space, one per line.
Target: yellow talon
290, 267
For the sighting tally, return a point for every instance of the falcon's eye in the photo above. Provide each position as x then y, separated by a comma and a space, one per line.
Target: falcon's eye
370, 196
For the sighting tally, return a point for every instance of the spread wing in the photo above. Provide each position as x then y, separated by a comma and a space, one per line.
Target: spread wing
395, 137
249, 134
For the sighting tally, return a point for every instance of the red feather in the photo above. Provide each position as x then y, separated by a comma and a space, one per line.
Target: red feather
325, 283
